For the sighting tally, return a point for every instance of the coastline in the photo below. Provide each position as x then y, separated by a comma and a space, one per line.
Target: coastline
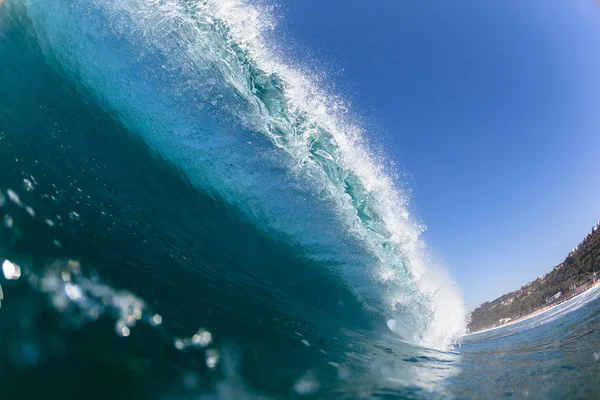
535, 313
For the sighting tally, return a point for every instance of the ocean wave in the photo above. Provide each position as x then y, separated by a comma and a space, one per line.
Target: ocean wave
204, 85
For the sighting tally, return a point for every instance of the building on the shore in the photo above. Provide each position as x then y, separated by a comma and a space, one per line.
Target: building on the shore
553, 298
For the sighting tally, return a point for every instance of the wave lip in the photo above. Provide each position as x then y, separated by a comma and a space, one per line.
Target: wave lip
201, 82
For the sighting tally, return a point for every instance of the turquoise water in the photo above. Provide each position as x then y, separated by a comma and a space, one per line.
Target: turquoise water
188, 215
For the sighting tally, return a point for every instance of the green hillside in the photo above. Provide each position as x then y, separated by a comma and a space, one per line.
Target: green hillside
575, 274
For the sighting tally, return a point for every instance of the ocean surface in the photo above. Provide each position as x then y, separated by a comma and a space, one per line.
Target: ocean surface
187, 213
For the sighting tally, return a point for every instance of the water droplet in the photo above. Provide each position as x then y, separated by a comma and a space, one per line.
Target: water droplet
122, 329
202, 338
73, 291
65, 275
14, 197
59, 302
74, 266
179, 345
8, 221
212, 358
27, 185
156, 319
11, 271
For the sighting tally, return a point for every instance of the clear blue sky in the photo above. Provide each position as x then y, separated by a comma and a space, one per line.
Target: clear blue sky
492, 108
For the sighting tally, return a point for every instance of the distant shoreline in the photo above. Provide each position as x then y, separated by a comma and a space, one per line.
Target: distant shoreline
535, 313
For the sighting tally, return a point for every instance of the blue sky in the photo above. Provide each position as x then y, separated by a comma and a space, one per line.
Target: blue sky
493, 110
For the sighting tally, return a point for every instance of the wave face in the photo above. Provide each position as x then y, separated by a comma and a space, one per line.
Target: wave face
204, 87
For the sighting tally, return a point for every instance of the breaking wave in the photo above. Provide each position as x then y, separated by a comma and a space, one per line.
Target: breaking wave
207, 87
